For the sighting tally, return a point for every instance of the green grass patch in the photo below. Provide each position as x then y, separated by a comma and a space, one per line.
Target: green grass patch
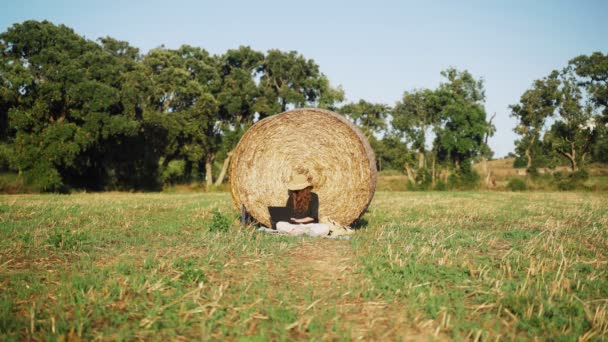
168, 266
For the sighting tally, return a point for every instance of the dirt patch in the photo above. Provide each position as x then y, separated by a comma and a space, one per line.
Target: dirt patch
330, 270
323, 261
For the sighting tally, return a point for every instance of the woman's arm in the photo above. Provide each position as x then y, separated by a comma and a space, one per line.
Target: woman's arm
303, 220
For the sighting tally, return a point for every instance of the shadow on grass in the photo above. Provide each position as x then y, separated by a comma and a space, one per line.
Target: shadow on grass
360, 223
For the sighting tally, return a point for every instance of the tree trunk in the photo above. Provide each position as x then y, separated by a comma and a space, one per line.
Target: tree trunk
420, 160
529, 158
444, 175
220, 178
490, 182
421, 166
410, 174
529, 155
208, 171
188, 170
433, 172
573, 158
573, 165
486, 171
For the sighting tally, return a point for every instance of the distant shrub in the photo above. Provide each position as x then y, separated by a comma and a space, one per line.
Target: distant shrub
390, 172
424, 178
5, 156
580, 176
566, 185
572, 181
464, 180
441, 186
46, 178
423, 181
519, 163
174, 172
219, 222
559, 175
12, 183
533, 172
516, 184
412, 187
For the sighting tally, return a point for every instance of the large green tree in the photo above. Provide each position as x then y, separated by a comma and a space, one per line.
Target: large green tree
239, 99
414, 116
460, 136
573, 99
592, 72
574, 132
535, 105
67, 105
370, 117
182, 104
288, 79
389, 150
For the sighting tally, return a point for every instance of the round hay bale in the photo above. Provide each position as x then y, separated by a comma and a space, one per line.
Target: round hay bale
322, 145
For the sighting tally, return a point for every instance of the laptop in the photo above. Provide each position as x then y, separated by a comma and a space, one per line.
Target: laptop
278, 214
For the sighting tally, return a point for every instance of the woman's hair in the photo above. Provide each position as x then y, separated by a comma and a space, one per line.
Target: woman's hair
301, 199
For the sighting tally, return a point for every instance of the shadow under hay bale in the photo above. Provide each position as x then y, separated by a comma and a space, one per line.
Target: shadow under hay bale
326, 147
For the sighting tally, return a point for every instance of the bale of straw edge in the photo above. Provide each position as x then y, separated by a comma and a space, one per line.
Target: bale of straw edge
320, 144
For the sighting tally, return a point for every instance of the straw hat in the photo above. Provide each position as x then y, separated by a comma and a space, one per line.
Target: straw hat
298, 182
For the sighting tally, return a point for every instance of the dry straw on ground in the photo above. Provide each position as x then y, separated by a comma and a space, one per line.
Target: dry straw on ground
325, 146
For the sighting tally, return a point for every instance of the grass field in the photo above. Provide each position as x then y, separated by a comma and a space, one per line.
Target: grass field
431, 266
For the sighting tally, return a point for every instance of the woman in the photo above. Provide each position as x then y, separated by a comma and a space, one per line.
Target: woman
303, 206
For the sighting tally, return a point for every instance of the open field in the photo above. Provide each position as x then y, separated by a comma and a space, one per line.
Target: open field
503, 171
438, 265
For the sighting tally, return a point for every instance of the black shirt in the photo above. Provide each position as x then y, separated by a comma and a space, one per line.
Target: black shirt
313, 208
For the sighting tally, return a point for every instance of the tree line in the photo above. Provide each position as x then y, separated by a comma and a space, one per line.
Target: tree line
99, 115
563, 117
75, 113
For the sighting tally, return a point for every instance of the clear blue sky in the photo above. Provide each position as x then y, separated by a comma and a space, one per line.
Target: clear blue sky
374, 49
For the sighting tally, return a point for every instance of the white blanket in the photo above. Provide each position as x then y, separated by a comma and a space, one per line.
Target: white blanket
308, 229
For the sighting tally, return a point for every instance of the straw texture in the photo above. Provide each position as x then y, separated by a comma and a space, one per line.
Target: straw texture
327, 148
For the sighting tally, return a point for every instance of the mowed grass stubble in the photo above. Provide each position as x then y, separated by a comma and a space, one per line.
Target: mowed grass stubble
437, 264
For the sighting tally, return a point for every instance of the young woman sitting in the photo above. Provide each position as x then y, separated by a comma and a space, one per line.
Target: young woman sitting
303, 206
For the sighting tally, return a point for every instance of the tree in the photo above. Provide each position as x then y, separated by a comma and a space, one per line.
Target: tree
370, 117
600, 148
389, 151
534, 107
288, 79
574, 98
65, 100
487, 153
459, 138
183, 106
593, 75
573, 135
414, 116
239, 98
592, 72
